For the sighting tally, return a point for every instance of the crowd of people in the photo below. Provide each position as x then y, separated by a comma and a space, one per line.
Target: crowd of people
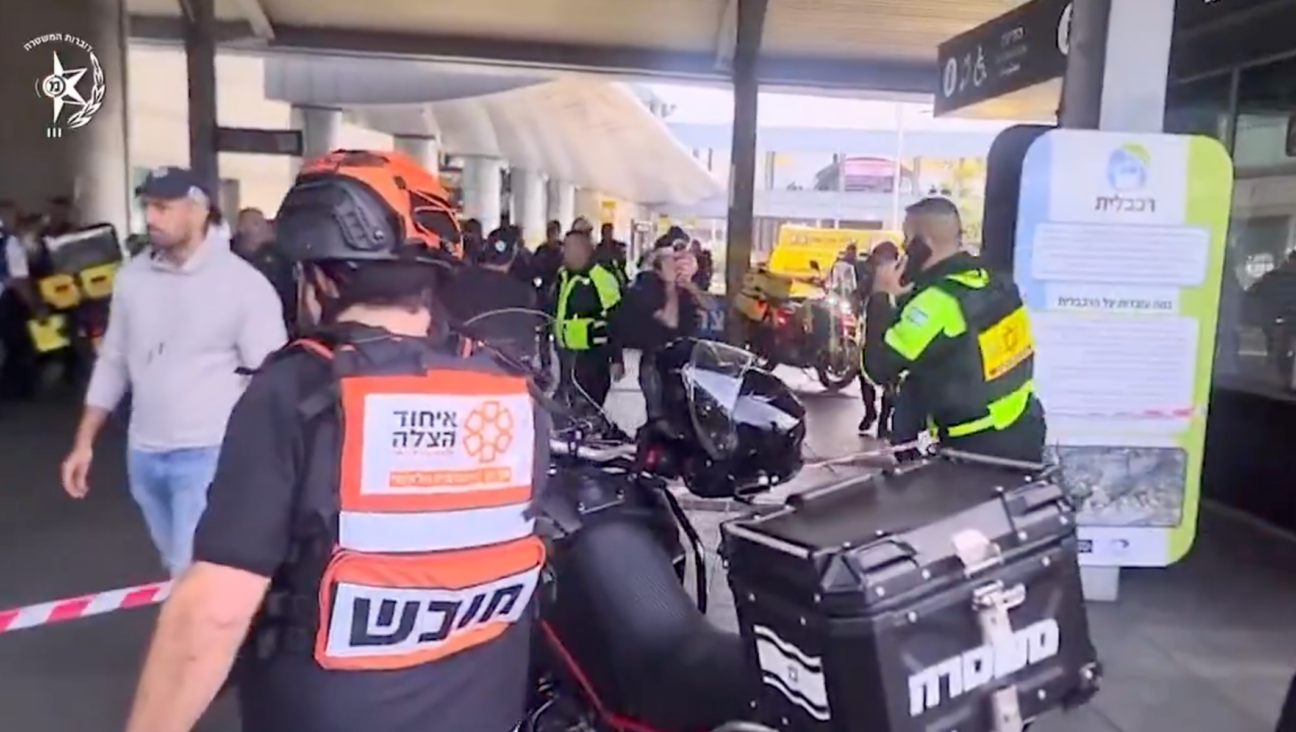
569, 303
236, 348
24, 237
176, 364
271, 368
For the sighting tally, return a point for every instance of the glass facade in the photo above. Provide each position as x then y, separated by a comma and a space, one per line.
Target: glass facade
1253, 112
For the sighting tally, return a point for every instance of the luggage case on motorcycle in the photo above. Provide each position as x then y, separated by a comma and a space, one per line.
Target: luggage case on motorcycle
762, 283
944, 596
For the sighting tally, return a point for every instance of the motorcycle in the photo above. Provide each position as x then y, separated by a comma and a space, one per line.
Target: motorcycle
622, 647
613, 655
818, 332
75, 295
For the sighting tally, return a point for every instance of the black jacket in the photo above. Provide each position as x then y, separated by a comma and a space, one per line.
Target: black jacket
636, 323
584, 302
612, 255
476, 291
545, 263
279, 271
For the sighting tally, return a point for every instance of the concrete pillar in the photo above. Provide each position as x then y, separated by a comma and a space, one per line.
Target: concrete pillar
1118, 65
200, 61
562, 202
741, 229
483, 190
321, 129
589, 205
44, 157
529, 204
1117, 69
423, 149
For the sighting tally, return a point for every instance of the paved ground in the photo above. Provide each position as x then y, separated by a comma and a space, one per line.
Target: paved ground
1206, 646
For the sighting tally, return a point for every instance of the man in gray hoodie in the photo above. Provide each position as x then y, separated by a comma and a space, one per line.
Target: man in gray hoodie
186, 316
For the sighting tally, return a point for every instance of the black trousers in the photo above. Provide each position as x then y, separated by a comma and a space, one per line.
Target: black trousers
903, 416
585, 376
18, 372
1287, 717
869, 395
651, 386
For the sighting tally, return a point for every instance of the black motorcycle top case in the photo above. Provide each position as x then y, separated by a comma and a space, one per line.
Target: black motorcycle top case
859, 609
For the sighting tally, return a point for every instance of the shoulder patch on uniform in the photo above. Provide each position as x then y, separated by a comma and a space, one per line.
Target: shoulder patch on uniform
915, 315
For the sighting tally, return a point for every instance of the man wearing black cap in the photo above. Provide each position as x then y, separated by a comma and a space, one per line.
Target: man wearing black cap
186, 316
491, 303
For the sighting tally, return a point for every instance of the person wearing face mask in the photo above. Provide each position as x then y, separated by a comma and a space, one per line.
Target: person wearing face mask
493, 305
884, 253
959, 337
316, 531
585, 302
663, 305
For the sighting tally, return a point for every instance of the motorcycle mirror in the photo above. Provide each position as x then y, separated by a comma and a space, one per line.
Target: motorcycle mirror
814, 264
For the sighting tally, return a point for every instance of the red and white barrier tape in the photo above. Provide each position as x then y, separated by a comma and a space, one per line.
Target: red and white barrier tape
75, 608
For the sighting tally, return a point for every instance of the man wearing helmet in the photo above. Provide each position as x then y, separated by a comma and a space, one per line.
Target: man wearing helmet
368, 543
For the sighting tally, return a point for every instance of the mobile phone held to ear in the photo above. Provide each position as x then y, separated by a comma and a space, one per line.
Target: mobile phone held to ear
916, 253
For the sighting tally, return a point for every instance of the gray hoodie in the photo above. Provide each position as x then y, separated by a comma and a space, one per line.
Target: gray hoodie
175, 339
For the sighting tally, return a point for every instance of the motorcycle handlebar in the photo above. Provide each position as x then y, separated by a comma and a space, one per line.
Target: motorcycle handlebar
593, 453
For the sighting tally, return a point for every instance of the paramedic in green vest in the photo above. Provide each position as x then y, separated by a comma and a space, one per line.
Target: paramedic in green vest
959, 336
584, 298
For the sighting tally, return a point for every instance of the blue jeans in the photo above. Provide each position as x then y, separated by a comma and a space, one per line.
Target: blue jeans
170, 487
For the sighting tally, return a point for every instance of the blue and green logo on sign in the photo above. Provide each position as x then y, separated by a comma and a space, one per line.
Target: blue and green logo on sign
1127, 167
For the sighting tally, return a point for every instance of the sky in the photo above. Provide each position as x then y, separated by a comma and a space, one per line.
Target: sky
714, 105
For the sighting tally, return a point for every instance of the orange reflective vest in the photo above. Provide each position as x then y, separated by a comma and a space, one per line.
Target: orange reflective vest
423, 542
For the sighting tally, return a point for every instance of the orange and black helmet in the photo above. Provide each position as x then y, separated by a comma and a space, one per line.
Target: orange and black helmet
368, 206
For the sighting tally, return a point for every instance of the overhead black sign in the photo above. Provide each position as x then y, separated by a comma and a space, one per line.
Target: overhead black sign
1017, 50
1227, 34
259, 142
1194, 13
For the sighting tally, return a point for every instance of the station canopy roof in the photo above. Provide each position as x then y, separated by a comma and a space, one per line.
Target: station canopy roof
864, 45
582, 129
880, 47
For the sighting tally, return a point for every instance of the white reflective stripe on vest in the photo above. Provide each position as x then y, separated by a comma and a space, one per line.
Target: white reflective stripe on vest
433, 531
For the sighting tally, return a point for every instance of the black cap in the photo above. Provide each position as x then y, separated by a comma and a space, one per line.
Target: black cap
169, 183
501, 246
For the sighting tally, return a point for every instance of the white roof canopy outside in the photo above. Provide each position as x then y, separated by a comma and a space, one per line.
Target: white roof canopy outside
580, 129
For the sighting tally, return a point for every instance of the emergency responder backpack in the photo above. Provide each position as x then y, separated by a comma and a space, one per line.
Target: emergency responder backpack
418, 455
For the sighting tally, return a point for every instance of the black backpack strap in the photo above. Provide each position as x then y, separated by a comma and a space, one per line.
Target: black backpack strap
320, 344
286, 622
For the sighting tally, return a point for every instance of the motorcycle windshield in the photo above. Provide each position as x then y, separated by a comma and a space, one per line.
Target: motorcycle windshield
713, 381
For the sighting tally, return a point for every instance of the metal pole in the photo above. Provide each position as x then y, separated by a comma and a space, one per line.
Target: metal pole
1081, 103
1228, 135
200, 58
741, 229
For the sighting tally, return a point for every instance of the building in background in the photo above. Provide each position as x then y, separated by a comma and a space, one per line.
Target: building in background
159, 136
842, 178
